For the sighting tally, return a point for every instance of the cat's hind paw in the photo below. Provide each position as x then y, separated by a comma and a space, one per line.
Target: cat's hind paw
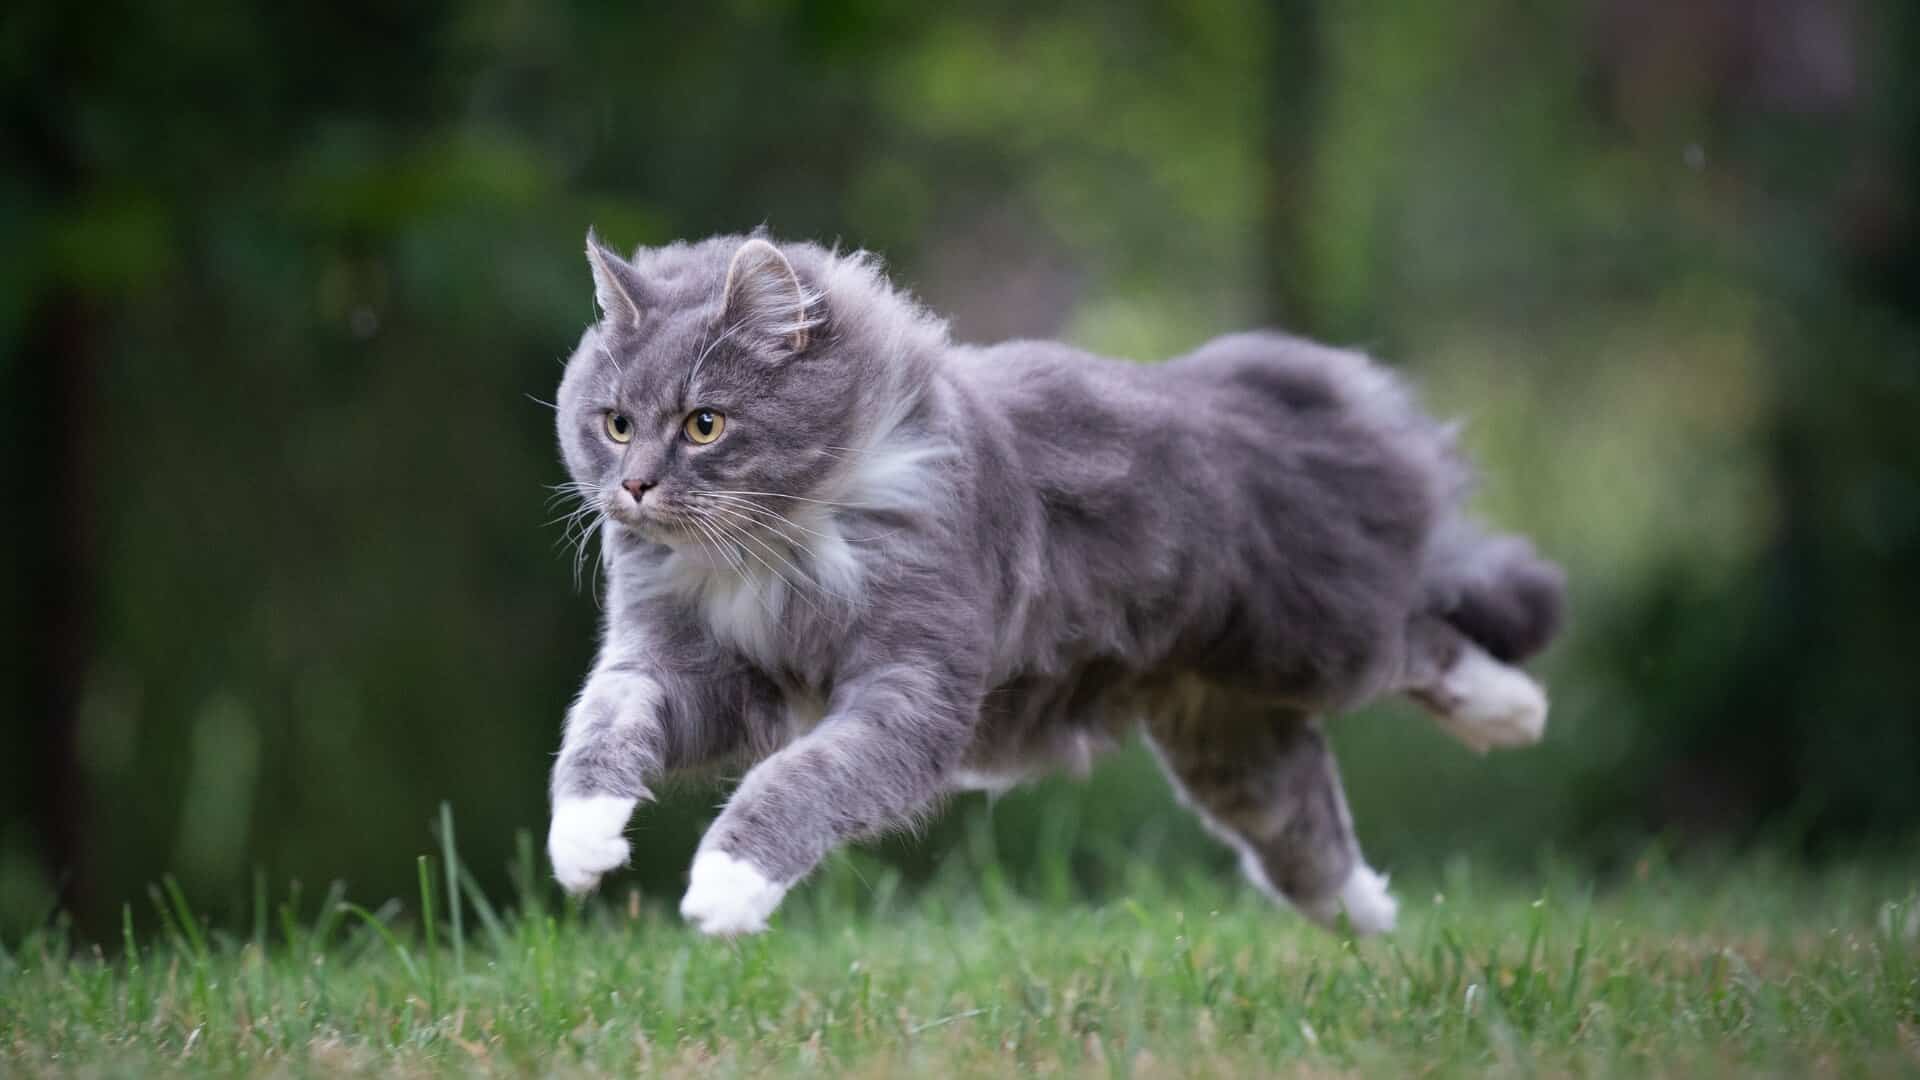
1490, 705
728, 896
587, 839
1364, 899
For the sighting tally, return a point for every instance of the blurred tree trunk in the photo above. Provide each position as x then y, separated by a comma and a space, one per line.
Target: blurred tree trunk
59, 347
54, 406
1293, 105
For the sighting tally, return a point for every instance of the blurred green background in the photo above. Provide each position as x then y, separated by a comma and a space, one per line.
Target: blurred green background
281, 282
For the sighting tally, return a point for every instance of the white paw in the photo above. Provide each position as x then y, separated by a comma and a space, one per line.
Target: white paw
728, 896
587, 839
1369, 907
1492, 704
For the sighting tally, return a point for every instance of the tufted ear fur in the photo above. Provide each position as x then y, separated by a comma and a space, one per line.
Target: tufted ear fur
763, 292
617, 286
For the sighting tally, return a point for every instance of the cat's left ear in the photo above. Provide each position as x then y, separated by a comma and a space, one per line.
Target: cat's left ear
765, 294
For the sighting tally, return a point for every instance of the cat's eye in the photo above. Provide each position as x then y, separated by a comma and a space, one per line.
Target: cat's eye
704, 425
619, 428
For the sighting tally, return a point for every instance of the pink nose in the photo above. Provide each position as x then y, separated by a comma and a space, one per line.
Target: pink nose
638, 488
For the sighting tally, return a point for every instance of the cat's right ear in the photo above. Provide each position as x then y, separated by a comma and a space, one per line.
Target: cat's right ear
617, 286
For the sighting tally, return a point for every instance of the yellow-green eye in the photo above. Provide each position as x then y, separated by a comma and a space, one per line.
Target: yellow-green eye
704, 425
619, 428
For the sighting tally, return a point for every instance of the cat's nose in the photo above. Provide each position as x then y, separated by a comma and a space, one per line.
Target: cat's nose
637, 488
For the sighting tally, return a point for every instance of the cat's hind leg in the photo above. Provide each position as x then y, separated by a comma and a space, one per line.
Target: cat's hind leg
1263, 779
1477, 699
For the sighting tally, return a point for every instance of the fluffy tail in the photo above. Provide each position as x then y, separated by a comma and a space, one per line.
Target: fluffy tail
1496, 590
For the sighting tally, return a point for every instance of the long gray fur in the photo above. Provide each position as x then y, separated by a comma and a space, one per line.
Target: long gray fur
910, 567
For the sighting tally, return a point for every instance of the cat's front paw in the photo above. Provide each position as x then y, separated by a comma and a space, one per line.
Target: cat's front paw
587, 839
728, 896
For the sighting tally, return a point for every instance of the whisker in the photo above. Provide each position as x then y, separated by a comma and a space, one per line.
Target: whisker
705, 540
570, 490
589, 532
690, 518
749, 504
572, 537
570, 517
741, 528
797, 498
722, 544
734, 535
718, 546
837, 456
578, 527
599, 569
764, 546
796, 546
733, 511
579, 554
771, 550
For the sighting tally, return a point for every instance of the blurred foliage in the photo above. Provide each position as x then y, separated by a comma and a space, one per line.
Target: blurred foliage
285, 282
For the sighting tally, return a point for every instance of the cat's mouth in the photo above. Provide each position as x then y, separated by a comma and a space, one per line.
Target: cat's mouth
658, 522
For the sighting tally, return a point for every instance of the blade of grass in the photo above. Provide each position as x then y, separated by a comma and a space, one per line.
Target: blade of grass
1579, 964
527, 876
290, 929
136, 976
127, 941
188, 923
1523, 977
260, 908
360, 939
374, 923
451, 856
168, 925
327, 919
430, 920
202, 986
482, 907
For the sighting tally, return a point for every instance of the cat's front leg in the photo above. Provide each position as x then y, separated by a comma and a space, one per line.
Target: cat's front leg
613, 747
878, 759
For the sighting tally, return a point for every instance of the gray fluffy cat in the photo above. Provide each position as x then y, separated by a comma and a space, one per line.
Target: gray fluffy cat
882, 567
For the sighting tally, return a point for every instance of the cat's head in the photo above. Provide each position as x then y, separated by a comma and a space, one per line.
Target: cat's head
733, 377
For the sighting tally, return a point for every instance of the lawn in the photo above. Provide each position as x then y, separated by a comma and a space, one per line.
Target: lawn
1732, 967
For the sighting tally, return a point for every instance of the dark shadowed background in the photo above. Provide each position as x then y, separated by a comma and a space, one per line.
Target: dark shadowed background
282, 282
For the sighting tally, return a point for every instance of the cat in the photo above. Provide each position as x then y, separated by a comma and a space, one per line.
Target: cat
881, 567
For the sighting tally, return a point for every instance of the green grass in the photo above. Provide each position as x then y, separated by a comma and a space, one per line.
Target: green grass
1742, 967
